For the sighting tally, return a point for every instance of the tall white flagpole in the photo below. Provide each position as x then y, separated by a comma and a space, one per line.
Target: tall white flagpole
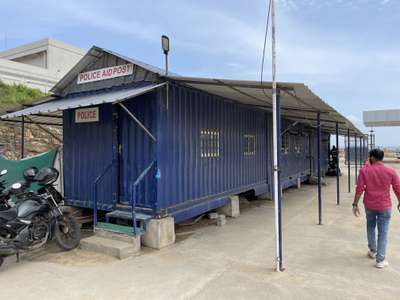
275, 143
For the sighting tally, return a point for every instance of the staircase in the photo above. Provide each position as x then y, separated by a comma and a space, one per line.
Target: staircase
121, 214
115, 239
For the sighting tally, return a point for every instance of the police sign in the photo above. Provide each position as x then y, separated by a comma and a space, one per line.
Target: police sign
105, 73
87, 115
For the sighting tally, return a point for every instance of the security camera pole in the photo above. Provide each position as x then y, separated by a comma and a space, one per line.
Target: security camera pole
276, 153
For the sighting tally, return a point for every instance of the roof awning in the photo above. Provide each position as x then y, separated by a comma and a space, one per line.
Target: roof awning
50, 113
298, 102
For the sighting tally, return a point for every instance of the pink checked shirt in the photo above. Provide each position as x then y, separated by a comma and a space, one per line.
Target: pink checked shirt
375, 181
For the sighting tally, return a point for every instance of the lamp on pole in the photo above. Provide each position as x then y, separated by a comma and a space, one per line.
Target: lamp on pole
165, 47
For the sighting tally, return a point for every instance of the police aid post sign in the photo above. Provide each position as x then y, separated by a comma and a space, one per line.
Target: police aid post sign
105, 73
87, 115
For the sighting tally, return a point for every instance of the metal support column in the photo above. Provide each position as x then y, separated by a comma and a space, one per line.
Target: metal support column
355, 159
361, 152
23, 137
279, 144
366, 147
276, 149
319, 168
337, 166
348, 160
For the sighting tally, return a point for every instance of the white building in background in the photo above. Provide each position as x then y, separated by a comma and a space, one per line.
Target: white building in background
39, 64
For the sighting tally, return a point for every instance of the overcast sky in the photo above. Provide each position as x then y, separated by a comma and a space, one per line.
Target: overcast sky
347, 51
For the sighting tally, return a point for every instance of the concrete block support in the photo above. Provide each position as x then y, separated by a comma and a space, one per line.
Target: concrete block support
299, 183
160, 233
232, 209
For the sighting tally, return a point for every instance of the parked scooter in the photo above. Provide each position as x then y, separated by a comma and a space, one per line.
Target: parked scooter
37, 218
3, 201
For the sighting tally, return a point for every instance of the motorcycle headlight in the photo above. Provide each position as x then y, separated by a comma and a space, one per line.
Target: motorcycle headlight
16, 186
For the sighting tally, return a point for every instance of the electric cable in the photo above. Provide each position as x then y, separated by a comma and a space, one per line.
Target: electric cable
264, 48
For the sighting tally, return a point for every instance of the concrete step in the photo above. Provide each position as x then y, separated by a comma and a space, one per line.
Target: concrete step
110, 244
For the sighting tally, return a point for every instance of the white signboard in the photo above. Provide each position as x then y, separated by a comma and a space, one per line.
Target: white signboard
105, 73
87, 115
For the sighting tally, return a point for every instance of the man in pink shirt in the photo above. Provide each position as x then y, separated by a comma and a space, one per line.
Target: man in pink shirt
374, 181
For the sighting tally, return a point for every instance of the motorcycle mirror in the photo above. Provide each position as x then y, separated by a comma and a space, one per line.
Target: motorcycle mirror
3, 172
16, 186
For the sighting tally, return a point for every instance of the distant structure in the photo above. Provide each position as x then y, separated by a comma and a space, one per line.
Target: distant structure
380, 118
39, 64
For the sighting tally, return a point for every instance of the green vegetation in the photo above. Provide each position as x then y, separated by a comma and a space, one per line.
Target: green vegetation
13, 96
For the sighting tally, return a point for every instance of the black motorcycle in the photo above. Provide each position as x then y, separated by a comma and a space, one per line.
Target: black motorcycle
18, 191
37, 218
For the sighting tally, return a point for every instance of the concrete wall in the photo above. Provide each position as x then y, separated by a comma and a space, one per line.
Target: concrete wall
36, 140
36, 59
40, 64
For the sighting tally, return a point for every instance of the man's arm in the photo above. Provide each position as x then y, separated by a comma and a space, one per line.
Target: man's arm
396, 187
359, 191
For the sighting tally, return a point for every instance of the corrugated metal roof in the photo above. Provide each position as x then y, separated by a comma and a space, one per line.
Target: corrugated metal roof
298, 102
382, 118
79, 100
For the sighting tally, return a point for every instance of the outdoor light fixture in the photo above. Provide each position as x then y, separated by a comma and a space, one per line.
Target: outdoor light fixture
165, 44
165, 47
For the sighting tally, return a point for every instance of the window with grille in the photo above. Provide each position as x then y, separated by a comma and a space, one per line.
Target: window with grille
298, 145
249, 144
210, 143
285, 144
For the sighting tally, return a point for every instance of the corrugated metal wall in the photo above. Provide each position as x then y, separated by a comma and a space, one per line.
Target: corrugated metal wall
325, 143
295, 163
186, 176
88, 149
362, 155
138, 150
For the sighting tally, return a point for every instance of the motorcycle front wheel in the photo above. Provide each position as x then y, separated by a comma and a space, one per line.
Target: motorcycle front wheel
67, 232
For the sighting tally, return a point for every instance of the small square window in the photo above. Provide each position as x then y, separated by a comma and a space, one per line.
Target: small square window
209, 143
249, 144
298, 145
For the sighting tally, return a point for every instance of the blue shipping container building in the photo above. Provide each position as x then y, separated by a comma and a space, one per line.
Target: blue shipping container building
138, 140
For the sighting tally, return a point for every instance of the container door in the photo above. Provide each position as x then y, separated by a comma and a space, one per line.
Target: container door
136, 152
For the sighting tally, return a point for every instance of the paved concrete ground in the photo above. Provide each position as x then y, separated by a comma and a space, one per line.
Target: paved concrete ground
230, 262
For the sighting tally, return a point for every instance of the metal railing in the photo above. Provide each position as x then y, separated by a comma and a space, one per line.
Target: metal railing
95, 183
134, 193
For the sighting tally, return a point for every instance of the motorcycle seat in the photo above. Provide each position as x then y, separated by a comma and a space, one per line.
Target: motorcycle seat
8, 215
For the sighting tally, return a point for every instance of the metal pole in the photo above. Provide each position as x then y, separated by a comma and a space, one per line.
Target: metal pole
337, 166
319, 168
361, 152
276, 134
348, 160
22, 137
355, 158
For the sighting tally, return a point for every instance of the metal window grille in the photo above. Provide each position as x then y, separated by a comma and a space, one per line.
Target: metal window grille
298, 144
285, 149
210, 143
249, 144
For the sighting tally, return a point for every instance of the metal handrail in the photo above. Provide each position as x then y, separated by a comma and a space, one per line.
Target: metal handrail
134, 192
98, 178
